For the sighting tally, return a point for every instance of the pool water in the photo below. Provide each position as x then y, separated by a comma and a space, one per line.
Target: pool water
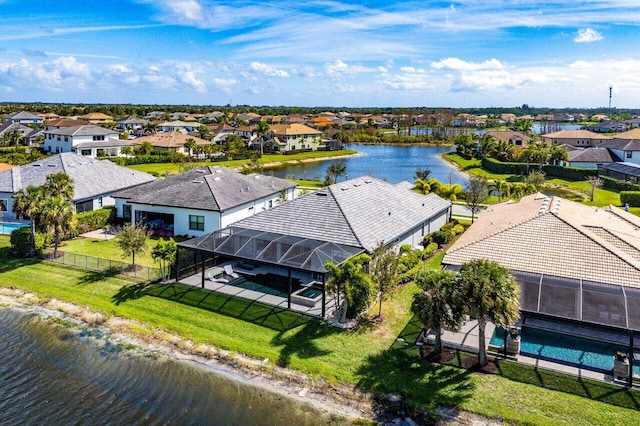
7, 228
310, 293
565, 349
258, 287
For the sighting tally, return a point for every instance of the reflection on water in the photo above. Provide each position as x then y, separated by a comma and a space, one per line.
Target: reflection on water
52, 375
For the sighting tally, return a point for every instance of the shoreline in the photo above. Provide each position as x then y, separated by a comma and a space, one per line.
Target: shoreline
277, 164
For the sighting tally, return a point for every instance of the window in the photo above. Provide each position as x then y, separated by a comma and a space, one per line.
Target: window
196, 223
4, 205
270, 203
66, 138
126, 211
86, 152
99, 202
629, 154
98, 138
293, 147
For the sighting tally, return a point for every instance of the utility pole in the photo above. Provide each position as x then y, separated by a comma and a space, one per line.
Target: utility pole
610, 92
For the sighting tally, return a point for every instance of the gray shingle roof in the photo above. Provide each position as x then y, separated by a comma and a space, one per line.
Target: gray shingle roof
23, 115
622, 144
591, 155
361, 212
88, 130
627, 168
206, 188
91, 177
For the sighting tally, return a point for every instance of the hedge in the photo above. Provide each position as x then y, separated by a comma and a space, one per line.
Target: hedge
630, 197
96, 219
619, 185
571, 173
21, 241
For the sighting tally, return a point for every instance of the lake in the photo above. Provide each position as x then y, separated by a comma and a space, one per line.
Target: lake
388, 162
54, 375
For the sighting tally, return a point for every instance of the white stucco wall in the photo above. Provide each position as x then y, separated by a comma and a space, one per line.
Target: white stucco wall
8, 215
414, 236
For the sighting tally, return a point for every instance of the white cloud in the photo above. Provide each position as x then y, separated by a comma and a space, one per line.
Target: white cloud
188, 75
268, 70
587, 35
64, 71
338, 69
118, 69
225, 85
457, 64
409, 78
190, 9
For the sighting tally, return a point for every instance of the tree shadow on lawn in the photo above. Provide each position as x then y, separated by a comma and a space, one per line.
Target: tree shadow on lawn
9, 263
400, 369
586, 388
302, 342
272, 317
90, 277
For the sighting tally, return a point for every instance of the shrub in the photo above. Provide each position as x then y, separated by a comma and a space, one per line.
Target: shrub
571, 173
440, 237
96, 219
429, 250
21, 241
619, 185
630, 197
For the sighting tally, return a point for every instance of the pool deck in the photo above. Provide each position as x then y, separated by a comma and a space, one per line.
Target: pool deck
467, 340
257, 296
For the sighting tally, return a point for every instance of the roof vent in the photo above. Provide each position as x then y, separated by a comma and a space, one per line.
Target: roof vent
321, 194
217, 178
368, 181
51, 165
37, 165
357, 184
197, 181
199, 170
344, 188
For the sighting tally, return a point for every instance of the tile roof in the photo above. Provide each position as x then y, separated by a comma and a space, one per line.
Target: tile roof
360, 212
293, 129
629, 134
66, 122
23, 115
575, 134
169, 140
206, 188
87, 130
554, 236
591, 155
622, 144
627, 168
91, 177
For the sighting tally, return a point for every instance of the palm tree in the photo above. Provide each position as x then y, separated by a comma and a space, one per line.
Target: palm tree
450, 192
334, 171
28, 202
491, 294
503, 151
59, 184
438, 304
422, 186
57, 217
350, 281
150, 128
262, 130
127, 151
190, 144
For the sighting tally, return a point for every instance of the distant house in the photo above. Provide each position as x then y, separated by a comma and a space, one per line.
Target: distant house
177, 126
94, 180
63, 122
96, 118
22, 117
90, 140
579, 138
131, 123
290, 137
511, 137
626, 149
575, 264
220, 131
607, 126
171, 141
201, 201
590, 158
24, 131
633, 134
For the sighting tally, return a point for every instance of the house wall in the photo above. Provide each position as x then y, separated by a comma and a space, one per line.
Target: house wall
581, 142
249, 209
7, 215
59, 143
414, 236
635, 155
180, 217
583, 165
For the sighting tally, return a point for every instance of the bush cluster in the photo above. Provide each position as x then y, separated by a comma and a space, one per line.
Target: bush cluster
96, 219
445, 235
21, 241
619, 185
571, 173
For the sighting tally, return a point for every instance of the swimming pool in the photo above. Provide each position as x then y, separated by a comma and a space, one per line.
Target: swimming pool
7, 228
565, 349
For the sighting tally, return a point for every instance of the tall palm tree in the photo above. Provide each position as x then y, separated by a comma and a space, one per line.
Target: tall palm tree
334, 171
57, 217
438, 304
491, 294
28, 203
59, 184
262, 130
190, 144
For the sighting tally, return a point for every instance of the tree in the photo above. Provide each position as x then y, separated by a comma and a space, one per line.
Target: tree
28, 203
422, 174
342, 137
523, 125
476, 193
536, 153
557, 154
127, 151
204, 132
351, 282
491, 294
190, 144
59, 184
439, 303
450, 192
132, 239
384, 271
144, 149
150, 128
262, 131
57, 216
595, 183
233, 144
535, 178
334, 171
12, 138
165, 254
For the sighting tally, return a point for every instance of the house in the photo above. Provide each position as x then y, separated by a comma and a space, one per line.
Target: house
94, 180
293, 136
633, 134
590, 158
627, 172
201, 201
220, 131
625, 149
153, 115
63, 122
90, 140
511, 137
171, 141
22, 117
247, 132
24, 131
575, 263
607, 126
177, 126
580, 138
131, 123
96, 118
332, 224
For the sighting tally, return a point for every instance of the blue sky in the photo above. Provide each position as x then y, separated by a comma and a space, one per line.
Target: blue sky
467, 53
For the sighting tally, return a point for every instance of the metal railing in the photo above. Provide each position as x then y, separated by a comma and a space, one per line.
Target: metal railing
106, 266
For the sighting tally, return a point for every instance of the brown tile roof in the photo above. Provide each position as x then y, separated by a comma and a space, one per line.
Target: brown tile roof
575, 134
629, 134
293, 129
5, 166
169, 140
554, 236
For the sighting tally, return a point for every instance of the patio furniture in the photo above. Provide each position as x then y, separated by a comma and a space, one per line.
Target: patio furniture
228, 270
211, 278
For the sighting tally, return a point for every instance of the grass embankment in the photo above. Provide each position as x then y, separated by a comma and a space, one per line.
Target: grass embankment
602, 196
173, 168
369, 357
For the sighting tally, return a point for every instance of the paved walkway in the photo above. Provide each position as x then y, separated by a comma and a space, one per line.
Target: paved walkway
98, 234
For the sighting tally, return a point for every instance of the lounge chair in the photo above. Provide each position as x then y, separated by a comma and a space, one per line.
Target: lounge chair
228, 270
211, 278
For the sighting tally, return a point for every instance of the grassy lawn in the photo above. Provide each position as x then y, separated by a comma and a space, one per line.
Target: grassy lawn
474, 166
173, 168
369, 357
308, 184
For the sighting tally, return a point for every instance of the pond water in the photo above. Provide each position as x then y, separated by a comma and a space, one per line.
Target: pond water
388, 162
53, 375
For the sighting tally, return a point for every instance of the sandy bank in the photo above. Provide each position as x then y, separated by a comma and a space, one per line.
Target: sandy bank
276, 164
